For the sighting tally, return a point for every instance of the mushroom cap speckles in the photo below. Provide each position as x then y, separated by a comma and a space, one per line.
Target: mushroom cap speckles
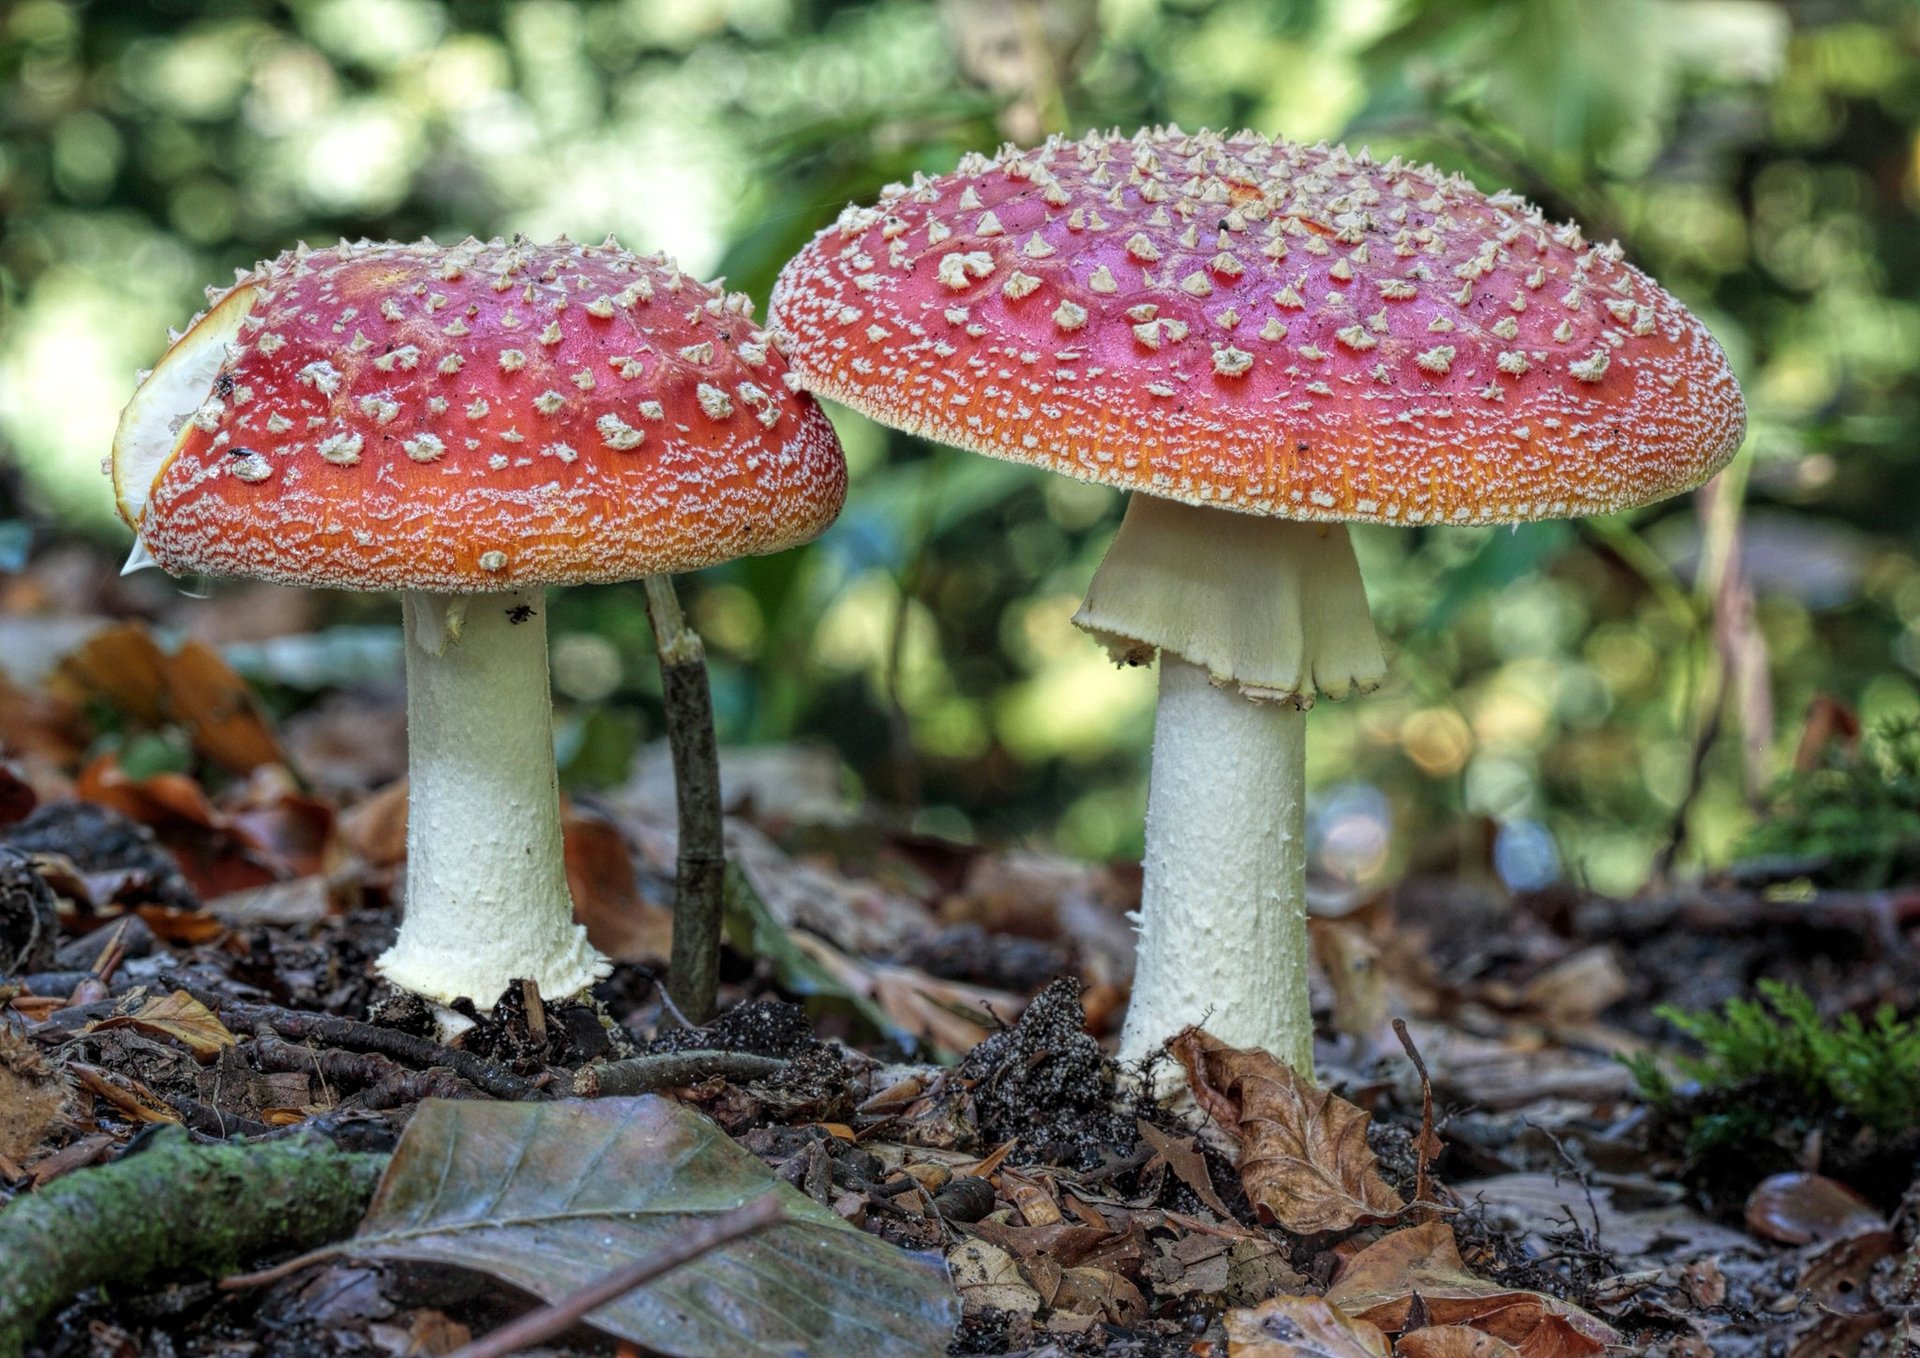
1252, 323
415, 418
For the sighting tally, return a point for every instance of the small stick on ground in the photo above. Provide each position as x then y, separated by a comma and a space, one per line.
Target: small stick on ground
548, 1321
693, 973
1428, 1145
489, 1077
381, 1080
665, 1070
536, 1011
209, 1121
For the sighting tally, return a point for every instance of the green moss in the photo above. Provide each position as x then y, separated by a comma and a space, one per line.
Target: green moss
1774, 1065
173, 1206
1856, 818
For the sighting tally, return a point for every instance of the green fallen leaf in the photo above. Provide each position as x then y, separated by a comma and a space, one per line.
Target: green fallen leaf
550, 1196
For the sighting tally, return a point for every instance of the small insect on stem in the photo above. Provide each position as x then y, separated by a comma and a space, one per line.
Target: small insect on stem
519, 613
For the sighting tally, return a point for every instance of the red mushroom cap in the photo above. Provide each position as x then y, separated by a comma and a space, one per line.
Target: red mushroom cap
472, 418
1268, 327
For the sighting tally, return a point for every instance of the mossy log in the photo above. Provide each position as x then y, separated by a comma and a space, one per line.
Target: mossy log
173, 1206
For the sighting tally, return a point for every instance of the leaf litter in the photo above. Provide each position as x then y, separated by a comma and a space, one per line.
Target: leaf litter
214, 923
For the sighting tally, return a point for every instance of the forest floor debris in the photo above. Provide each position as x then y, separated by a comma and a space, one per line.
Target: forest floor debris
910, 1041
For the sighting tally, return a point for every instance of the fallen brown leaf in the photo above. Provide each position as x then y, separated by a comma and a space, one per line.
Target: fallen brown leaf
1797, 1208
43, 728
986, 1277
218, 710
1704, 1282
375, 830
1182, 1155
1304, 1161
90, 1149
1578, 987
1452, 1341
17, 798
171, 924
428, 1334
178, 1016
1102, 1293
1300, 1327
1034, 1203
1836, 1275
35, 1008
294, 831
950, 1015
1227, 1271
134, 1100
1353, 967
214, 855
606, 894
1536, 1209
1380, 1284
122, 666
1837, 1334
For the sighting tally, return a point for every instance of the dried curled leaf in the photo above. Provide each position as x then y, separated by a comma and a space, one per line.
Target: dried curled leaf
1304, 1160
178, 1016
1300, 1327
1181, 1154
1379, 1284
988, 1278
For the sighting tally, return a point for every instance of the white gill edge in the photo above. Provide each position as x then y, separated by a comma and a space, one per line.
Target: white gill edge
151, 425
1274, 606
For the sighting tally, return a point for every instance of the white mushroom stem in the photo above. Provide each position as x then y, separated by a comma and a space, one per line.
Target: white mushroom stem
1223, 916
1249, 616
486, 896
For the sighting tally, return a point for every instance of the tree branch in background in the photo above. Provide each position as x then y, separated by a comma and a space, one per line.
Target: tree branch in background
693, 973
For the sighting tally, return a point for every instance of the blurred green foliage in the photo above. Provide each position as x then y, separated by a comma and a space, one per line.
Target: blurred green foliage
1759, 158
1854, 820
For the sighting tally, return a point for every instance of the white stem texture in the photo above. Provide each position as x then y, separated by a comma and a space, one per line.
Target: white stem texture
1223, 930
487, 900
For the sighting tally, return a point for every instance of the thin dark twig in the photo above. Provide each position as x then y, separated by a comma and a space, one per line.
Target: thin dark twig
487, 1076
666, 1000
665, 1070
210, 1121
693, 971
1579, 1172
1423, 1149
548, 1321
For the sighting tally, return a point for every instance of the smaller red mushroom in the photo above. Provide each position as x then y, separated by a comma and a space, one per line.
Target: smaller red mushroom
466, 425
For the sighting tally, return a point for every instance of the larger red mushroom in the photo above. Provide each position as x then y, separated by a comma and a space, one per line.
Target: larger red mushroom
467, 425
1262, 341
